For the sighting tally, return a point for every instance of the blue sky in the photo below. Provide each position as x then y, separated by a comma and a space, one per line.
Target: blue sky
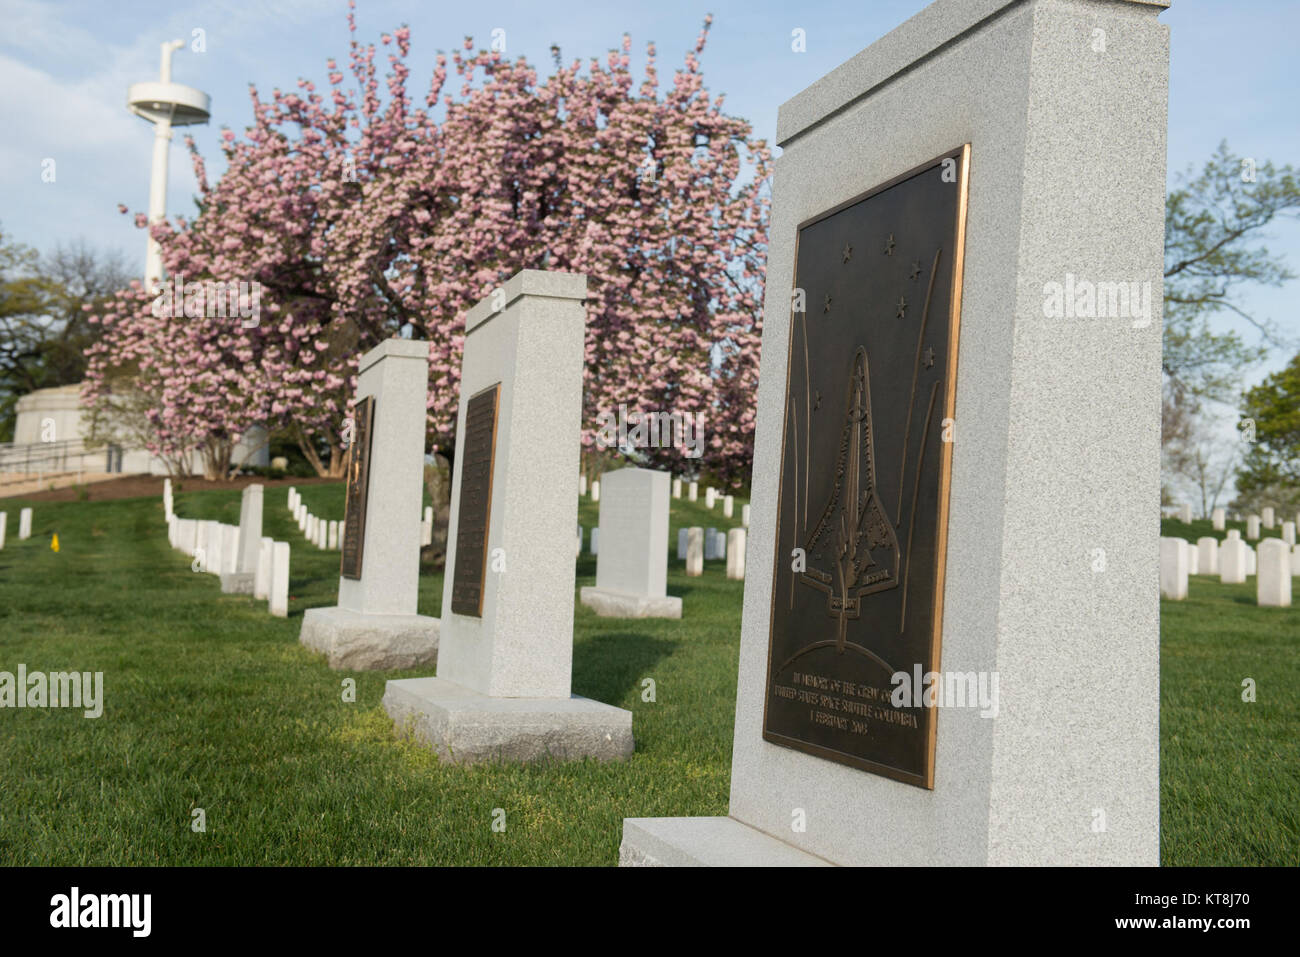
65, 67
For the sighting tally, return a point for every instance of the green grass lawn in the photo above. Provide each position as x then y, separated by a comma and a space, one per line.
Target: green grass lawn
1230, 770
211, 703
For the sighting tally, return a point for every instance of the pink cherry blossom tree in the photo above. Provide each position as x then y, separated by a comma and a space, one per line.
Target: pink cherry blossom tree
359, 213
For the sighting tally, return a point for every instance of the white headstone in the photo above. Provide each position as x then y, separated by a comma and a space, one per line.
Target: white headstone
262, 577
426, 527
333, 542
582, 484
1252, 527
4, 524
744, 515
24, 524
230, 556
1251, 559
1185, 513
1273, 585
677, 488
203, 529
1193, 557
579, 548
279, 596
214, 557
1019, 81
1217, 517
632, 571
711, 544
1173, 569
1269, 519
595, 490
681, 544
1232, 561
695, 550
728, 506
736, 554
595, 540
1288, 532
1234, 534
376, 624
1295, 560
693, 491
240, 579
1208, 548
505, 661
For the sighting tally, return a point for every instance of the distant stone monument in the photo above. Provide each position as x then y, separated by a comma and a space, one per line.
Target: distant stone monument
632, 568
503, 689
375, 625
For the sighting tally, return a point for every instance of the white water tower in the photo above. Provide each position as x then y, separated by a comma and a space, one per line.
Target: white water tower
164, 104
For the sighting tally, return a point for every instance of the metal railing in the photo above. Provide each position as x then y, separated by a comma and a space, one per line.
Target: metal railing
70, 455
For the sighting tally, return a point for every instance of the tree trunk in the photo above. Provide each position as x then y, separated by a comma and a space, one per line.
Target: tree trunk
309, 451
338, 460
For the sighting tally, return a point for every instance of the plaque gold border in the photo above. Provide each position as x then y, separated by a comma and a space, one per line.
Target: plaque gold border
925, 780
365, 411
487, 507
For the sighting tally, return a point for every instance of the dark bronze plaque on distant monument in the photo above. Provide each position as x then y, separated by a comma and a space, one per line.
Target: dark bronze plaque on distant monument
475, 502
862, 514
354, 509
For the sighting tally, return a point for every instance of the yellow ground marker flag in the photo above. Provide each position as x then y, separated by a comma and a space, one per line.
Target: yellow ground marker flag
54, 543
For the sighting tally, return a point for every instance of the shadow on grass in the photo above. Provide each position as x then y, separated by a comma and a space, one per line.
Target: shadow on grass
607, 667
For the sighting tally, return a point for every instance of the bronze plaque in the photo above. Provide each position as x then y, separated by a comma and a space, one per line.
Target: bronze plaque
354, 508
866, 451
475, 502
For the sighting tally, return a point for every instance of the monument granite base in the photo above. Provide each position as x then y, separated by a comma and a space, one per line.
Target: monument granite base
466, 727
705, 842
616, 604
355, 642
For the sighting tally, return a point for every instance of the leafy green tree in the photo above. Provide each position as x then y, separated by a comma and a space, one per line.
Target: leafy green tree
1270, 471
1214, 225
44, 327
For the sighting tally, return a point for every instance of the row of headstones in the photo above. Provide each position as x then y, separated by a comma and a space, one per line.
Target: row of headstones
711, 497
1268, 519
695, 545
714, 545
1287, 530
245, 560
322, 533
1233, 561
24, 525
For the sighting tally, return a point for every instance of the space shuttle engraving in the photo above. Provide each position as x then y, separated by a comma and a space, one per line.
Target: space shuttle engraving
853, 551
